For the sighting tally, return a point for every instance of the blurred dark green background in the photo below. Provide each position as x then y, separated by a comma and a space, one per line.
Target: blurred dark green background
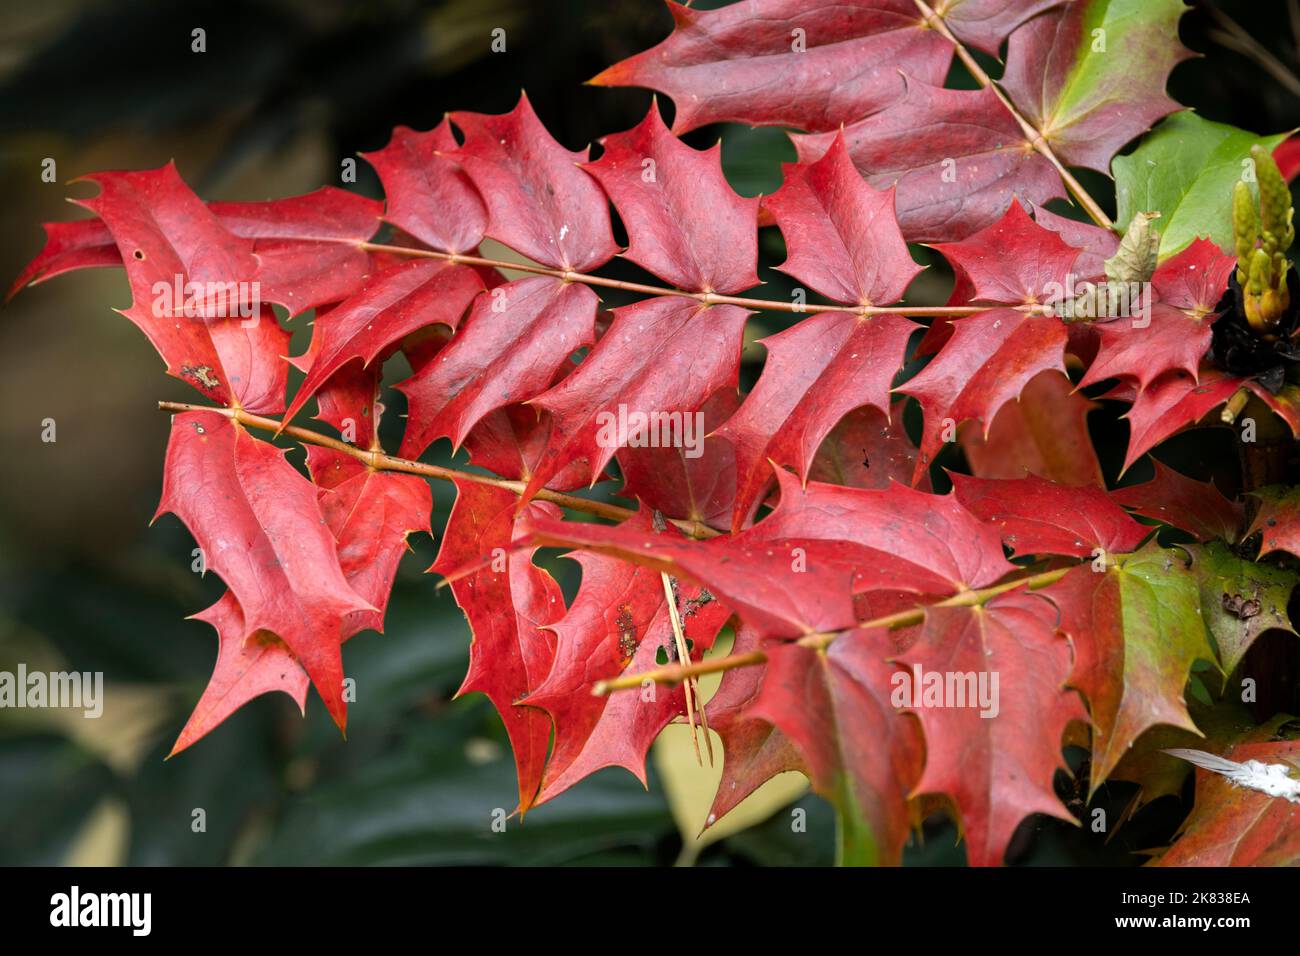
285, 91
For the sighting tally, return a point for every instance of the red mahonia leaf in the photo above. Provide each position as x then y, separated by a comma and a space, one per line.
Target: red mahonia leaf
618, 622
664, 356
755, 750
933, 532
861, 754
796, 571
981, 756
952, 155
1015, 261
1041, 517
508, 350
841, 235
539, 202
685, 223
248, 665
263, 533
816, 372
1045, 434
370, 514
682, 483
349, 400
306, 245
169, 240
843, 241
1237, 826
511, 604
1182, 502
393, 304
1278, 520
1096, 244
429, 196
69, 246
741, 63
1170, 404
992, 356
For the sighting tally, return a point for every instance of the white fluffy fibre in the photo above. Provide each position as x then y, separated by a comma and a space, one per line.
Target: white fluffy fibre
1274, 779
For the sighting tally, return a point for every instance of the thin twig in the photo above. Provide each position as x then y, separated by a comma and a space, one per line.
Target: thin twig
708, 298
382, 462
684, 654
1034, 136
1235, 37
674, 674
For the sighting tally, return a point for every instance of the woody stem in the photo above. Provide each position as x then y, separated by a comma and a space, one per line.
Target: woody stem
676, 673
708, 298
382, 462
1035, 137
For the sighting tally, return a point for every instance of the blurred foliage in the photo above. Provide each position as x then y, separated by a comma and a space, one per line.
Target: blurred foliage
285, 91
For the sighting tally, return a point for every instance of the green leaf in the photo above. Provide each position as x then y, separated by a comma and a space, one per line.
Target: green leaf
1240, 599
1090, 75
1186, 169
1137, 630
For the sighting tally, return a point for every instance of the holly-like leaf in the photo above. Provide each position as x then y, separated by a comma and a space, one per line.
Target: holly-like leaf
1185, 169
370, 514
754, 750
685, 223
795, 572
954, 158
1040, 517
991, 356
262, 531
619, 621
662, 357
1240, 599
248, 665
1090, 75
1136, 629
1013, 667
1171, 403
393, 304
841, 237
1182, 502
306, 246
508, 350
428, 194
812, 65
539, 202
816, 372
510, 604
861, 753
1045, 434
169, 241
1237, 826
1277, 520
